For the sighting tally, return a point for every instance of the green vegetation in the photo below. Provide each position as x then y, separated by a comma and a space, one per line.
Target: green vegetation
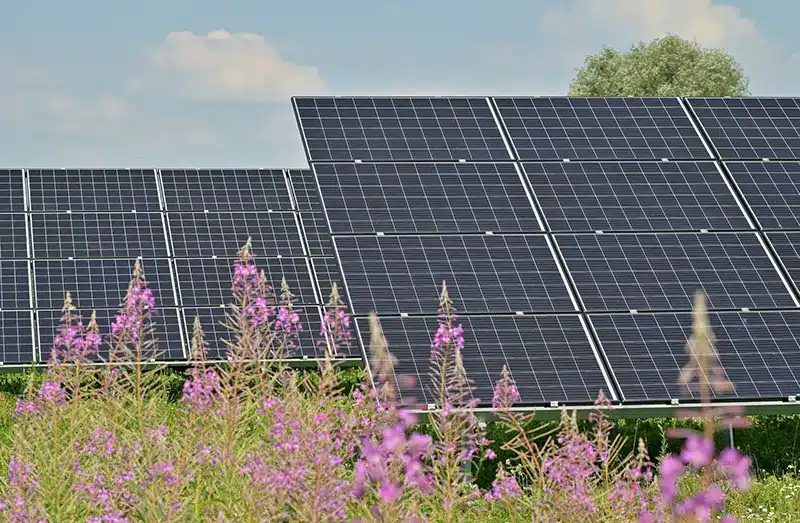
668, 66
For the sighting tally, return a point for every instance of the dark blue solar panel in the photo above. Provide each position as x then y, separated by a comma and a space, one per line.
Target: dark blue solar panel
222, 234
600, 129
98, 284
772, 190
550, 357
787, 247
15, 290
484, 273
751, 128
95, 235
759, 351
399, 129
425, 198
318, 236
304, 187
326, 271
16, 337
167, 333
12, 190
206, 281
213, 321
625, 272
93, 190
13, 237
633, 196
199, 190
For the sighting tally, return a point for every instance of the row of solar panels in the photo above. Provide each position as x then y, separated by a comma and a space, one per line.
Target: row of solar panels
81, 230
575, 255
154, 190
547, 128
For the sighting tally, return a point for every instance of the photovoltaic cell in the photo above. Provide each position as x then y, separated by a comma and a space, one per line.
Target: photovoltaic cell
15, 292
16, 337
600, 129
483, 273
772, 190
98, 284
98, 235
315, 229
93, 190
326, 271
634, 196
223, 234
549, 357
205, 281
751, 128
213, 320
12, 192
305, 190
399, 129
759, 352
787, 247
663, 271
425, 198
199, 190
13, 240
165, 321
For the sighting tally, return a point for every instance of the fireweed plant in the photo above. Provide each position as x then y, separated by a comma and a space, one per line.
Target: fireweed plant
251, 439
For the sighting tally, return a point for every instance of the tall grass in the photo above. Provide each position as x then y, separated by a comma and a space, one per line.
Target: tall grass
253, 440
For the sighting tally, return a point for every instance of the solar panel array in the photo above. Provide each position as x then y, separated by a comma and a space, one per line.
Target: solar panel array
82, 230
572, 234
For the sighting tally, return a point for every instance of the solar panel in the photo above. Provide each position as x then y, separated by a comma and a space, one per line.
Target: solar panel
165, 321
759, 351
549, 356
98, 284
772, 190
93, 190
317, 234
662, 271
634, 196
484, 273
223, 234
751, 128
95, 235
12, 190
15, 290
13, 238
600, 129
787, 247
213, 320
425, 198
206, 281
199, 190
16, 337
399, 129
305, 190
326, 272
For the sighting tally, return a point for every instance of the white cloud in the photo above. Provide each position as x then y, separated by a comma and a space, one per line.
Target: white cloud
239, 66
711, 24
103, 115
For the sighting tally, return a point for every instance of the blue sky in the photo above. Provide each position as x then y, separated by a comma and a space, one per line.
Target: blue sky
199, 83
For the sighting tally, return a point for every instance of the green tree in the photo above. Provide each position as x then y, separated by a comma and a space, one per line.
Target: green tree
668, 66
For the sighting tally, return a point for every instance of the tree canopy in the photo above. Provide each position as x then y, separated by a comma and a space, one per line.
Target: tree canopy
668, 66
